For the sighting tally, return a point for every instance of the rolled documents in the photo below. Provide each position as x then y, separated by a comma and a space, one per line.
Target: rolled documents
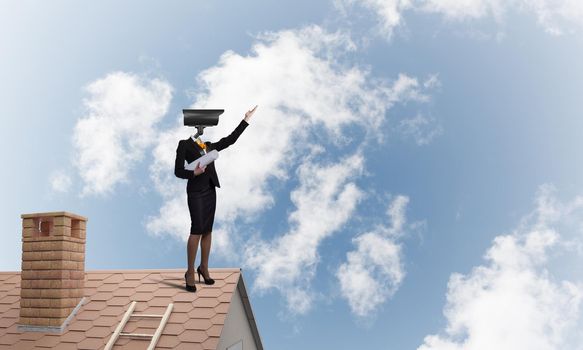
204, 160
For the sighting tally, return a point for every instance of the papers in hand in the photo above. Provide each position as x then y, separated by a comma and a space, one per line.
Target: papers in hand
204, 160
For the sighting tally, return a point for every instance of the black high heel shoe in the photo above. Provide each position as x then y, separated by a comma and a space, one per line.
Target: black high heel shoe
208, 281
189, 288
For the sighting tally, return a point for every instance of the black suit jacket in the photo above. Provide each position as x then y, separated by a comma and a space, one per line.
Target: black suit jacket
189, 150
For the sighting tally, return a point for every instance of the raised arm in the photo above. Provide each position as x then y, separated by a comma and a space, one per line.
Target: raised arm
179, 170
229, 140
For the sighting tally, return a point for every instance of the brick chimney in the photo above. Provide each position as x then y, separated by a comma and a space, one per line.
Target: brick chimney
53, 269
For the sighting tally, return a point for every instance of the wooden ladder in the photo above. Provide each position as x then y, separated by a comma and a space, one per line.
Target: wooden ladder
126, 317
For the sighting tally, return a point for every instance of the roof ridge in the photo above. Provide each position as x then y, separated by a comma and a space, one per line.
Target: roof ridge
217, 269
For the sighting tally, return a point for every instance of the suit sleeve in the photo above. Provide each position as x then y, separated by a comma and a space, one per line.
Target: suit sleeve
179, 170
229, 140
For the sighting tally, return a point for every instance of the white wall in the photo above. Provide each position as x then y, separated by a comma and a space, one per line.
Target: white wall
236, 326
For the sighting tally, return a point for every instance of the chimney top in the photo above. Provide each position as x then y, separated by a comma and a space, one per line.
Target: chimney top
52, 214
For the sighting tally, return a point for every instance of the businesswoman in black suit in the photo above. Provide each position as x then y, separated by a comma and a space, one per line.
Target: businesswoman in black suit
201, 195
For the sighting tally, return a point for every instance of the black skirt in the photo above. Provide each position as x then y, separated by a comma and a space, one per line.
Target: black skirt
202, 205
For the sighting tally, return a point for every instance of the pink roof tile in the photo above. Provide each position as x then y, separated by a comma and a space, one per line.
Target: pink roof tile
195, 323
91, 344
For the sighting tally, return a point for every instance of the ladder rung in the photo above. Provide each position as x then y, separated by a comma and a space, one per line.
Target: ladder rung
146, 315
140, 335
128, 314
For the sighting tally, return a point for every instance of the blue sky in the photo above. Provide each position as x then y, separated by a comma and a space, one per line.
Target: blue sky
411, 178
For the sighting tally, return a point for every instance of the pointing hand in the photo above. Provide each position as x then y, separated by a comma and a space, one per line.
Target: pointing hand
249, 113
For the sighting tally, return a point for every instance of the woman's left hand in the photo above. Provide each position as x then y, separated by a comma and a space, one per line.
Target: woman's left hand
249, 113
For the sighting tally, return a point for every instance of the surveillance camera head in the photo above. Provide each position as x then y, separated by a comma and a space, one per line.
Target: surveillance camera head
201, 117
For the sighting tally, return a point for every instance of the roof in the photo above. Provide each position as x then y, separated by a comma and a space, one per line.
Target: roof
196, 321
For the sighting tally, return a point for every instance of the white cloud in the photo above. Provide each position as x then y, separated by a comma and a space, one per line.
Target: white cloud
389, 11
60, 181
406, 88
396, 213
372, 274
373, 271
422, 129
555, 16
466, 9
325, 200
307, 97
122, 110
516, 300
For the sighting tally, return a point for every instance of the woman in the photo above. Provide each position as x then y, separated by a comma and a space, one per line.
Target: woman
201, 197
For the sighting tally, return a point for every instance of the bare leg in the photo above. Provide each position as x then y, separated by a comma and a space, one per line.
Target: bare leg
191, 248
205, 248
